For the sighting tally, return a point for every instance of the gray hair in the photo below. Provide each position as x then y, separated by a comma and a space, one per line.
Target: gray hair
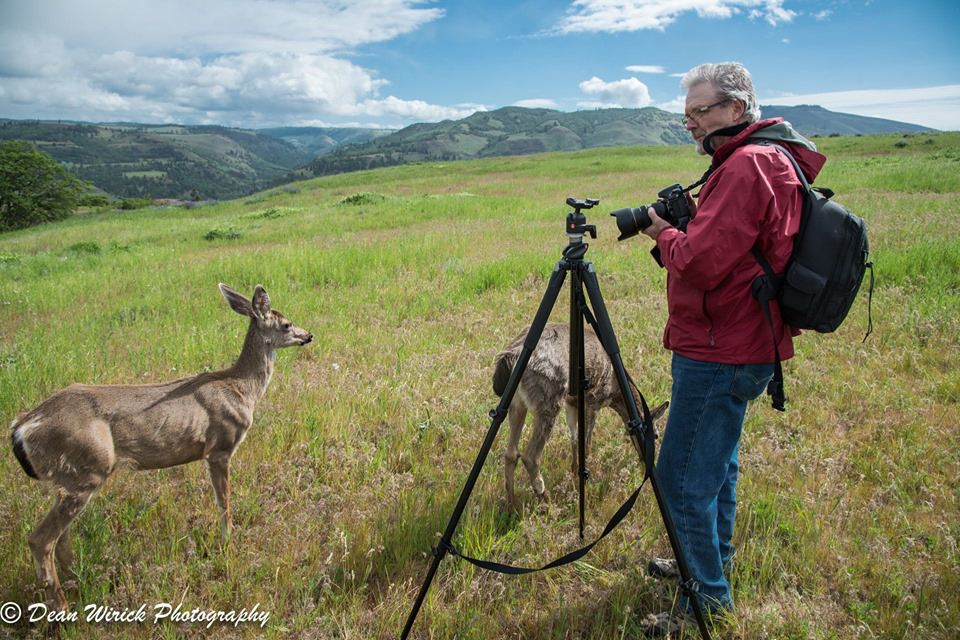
731, 80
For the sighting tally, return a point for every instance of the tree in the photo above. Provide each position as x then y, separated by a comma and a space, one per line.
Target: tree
34, 188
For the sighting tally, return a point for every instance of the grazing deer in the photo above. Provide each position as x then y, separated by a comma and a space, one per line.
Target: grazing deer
544, 390
79, 436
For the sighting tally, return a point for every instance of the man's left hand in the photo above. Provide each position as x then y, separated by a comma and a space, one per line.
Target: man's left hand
657, 224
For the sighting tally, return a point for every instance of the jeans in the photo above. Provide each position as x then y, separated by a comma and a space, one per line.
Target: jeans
697, 467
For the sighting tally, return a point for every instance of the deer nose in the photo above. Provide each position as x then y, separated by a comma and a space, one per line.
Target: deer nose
307, 340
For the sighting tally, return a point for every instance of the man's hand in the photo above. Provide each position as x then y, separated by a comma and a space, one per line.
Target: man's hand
657, 224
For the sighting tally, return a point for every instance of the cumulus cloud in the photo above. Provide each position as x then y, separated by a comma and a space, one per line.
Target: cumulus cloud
637, 15
238, 62
628, 92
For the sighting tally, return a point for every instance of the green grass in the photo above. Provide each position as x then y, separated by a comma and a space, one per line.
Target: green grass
412, 278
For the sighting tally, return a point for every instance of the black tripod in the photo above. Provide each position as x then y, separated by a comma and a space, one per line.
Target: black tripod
640, 431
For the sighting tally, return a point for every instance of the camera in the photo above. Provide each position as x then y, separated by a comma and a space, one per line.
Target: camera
672, 207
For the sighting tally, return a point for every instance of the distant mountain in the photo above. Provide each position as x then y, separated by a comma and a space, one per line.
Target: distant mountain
318, 141
811, 120
506, 131
517, 131
163, 161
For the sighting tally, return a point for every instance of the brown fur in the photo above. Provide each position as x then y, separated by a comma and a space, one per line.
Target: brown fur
77, 437
544, 392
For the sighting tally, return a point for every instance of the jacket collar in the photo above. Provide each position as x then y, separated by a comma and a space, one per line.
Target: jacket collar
779, 131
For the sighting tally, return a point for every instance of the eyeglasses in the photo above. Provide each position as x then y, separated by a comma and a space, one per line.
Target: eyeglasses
698, 113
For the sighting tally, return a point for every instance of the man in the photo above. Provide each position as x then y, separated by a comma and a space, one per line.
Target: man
722, 349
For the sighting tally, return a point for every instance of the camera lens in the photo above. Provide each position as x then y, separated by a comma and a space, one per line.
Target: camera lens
632, 220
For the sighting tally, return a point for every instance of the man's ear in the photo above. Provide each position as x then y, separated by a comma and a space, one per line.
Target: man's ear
739, 108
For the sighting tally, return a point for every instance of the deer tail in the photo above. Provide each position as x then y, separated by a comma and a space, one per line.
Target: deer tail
20, 451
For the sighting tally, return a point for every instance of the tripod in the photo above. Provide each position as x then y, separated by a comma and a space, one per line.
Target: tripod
640, 431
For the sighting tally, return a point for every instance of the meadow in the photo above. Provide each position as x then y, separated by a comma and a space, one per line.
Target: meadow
412, 278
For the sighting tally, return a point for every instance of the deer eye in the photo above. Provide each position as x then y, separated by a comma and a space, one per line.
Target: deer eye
286, 325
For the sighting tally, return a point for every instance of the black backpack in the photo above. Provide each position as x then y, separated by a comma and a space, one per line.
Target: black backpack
823, 274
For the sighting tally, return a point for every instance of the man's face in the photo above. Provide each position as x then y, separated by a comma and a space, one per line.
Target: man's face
718, 117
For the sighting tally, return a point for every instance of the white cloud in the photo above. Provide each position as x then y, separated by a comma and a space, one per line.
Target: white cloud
237, 62
537, 103
636, 15
628, 92
641, 68
677, 105
936, 107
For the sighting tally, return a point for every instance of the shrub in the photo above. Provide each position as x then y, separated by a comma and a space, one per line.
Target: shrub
222, 234
363, 198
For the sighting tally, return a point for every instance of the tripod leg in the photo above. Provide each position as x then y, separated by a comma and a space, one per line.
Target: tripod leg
498, 415
578, 372
609, 341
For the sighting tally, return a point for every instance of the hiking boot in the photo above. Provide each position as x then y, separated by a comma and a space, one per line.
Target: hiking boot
663, 568
666, 624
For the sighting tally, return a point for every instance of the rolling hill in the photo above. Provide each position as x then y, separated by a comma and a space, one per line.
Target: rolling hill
519, 131
163, 161
211, 162
813, 120
506, 131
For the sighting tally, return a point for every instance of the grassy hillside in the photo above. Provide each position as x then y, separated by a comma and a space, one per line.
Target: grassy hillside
518, 130
163, 161
412, 278
506, 131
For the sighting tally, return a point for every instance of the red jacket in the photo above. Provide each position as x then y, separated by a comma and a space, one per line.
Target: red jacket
752, 196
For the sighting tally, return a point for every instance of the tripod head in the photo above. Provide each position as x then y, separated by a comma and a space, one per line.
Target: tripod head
577, 221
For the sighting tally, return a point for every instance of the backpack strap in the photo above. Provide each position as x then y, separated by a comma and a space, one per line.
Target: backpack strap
766, 287
765, 290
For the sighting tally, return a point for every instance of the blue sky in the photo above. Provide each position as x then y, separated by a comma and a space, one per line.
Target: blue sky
258, 63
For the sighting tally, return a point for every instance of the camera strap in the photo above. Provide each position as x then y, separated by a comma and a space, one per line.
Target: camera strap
573, 556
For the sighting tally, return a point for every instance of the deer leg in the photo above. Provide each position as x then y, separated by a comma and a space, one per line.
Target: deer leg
542, 427
218, 466
64, 554
44, 541
516, 414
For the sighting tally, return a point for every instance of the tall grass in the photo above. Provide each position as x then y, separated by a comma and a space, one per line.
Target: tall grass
412, 278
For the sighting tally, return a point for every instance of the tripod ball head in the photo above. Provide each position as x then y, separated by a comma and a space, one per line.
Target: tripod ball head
586, 203
576, 220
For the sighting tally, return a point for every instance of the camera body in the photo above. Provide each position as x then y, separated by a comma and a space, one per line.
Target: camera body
672, 207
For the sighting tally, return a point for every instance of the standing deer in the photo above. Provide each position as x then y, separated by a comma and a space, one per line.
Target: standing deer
544, 390
77, 437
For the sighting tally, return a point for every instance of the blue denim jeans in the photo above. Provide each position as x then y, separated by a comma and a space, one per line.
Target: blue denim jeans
697, 466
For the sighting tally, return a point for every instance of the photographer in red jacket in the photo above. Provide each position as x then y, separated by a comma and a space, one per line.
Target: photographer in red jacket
722, 352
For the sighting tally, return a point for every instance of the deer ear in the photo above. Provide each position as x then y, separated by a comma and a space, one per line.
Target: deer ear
659, 411
261, 302
237, 301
